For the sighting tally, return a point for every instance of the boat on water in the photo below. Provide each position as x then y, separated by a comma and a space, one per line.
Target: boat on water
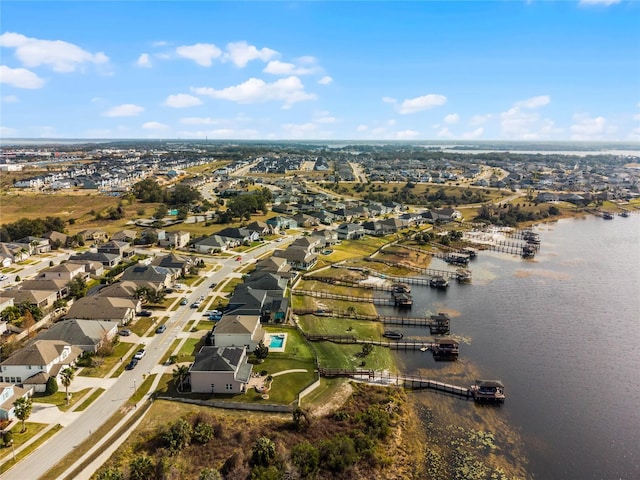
531, 237
439, 282
607, 216
528, 251
457, 258
624, 213
463, 275
489, 391
393, 334
401, 288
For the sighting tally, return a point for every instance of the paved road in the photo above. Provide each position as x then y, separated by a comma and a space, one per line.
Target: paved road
55, 256
39, 462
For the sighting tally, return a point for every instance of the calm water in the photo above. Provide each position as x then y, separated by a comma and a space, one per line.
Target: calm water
563, 333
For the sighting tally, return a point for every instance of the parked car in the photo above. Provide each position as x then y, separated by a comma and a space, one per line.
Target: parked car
195, 304
238, 259
132, 364
125, 332
213, 285
183, 301
144, 313
139, 354
3, 277
208, 313
161, 328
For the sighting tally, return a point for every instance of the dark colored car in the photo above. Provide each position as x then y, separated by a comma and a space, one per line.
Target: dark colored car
125, 332
161, 329
132, 364
213, 285
144, 313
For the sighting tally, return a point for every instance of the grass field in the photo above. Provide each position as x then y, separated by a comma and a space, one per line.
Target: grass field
119, 351
58, 398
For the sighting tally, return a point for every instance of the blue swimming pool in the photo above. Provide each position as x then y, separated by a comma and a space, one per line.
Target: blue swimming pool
276, 341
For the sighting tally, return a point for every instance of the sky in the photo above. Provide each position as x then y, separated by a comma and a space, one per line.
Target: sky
421, 70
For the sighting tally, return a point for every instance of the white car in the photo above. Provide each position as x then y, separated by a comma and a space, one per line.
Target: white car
3, 277
139, 354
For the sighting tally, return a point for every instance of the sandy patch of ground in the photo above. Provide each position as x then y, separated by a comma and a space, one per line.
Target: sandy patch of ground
337, 400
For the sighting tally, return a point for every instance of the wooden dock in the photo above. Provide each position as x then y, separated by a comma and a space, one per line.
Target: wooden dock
436, 323
406, 381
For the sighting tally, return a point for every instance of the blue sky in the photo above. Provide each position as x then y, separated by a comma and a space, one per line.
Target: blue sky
501, 70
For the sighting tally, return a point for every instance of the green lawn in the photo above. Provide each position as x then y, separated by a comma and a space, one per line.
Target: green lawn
58, 398
90, 399
141, 325
169, 352
28, 450
332, 355
362, 329
21, 438
119, 351
205, 325
230, 285
189, 349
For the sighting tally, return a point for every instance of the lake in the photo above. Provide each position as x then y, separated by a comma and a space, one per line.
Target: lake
562, 331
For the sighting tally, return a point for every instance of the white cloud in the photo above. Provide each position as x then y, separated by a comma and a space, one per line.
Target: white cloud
276, 67
125, 110
587, 128
9, 99
62, 56
452, 118
182, 100
241, 53
480, 119
8, 132
289, 90
362, 128
477, 133
201, 53
144, 60
154, 126
606, 3
534, 102
20, 77
326, 80
444, 133
418, 104
200, 121
518, 123
390, 100
324, 117
407, 135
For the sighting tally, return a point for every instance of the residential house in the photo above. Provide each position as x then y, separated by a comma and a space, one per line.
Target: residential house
298, 257
91, 267
451, 213
220, 370
310, 243
179, 239
156, 234
244, 235
95, 235
115, 309
88, 335
35, 245
160, 276
125, 236
115, 247
57, 239
395, 224
65, 271
282, 223
32, 365
106, 259
278, 265
215, 243
14, 252
237, 331
262, 294
8, 395
178, 263
260, 227
43, 299
306, 221
327, 237
350, 231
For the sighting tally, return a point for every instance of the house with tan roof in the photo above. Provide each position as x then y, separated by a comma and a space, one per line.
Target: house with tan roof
88, 335
120, 310
237, 331
8, 395
32, 365
65, 271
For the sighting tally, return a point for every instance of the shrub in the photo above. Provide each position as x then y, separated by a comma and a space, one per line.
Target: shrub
338, 453
203, 432
178, 436
141, 468
263, 452
52, 386
306, 457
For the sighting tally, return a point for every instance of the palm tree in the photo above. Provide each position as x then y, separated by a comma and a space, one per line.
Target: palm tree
179, 374
66, 376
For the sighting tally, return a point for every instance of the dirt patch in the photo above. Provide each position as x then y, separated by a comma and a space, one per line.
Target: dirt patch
337, 400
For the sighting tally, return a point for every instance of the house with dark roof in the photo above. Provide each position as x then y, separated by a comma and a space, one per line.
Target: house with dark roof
220, 370
350, 231
298, 257
163, 277
178, 263
106, 259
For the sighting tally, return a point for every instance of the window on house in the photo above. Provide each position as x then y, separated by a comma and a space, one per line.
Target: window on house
29, 367
18, 379
13, 379
229, 386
